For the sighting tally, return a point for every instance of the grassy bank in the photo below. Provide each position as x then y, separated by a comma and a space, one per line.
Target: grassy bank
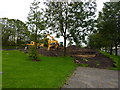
11, 47
0, 69
20, 72
116, 60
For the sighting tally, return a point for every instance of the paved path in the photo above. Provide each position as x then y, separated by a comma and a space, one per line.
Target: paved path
84, 77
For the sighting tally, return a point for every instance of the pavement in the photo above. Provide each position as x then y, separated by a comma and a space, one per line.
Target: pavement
84, 77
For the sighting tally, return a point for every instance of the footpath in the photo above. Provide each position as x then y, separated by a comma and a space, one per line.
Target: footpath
84, 77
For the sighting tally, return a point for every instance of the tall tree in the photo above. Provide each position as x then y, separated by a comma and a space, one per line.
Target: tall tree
56, 15
21, 32
81, 20
108, 23
70, 19
14, 31
35, 19
35, 25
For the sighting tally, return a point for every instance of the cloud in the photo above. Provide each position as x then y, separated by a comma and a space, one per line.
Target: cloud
19, 9
15, 9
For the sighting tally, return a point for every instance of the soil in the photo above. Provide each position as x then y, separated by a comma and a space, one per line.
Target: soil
81, 56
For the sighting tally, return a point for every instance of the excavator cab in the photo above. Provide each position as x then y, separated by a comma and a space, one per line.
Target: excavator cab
61, 44
30, 43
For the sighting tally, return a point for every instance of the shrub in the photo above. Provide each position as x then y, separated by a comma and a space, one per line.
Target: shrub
33, 54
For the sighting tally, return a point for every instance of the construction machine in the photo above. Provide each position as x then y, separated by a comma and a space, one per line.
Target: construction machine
52, 43
61, 45
32, 43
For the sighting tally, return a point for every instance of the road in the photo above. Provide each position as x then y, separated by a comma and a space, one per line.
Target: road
84, 77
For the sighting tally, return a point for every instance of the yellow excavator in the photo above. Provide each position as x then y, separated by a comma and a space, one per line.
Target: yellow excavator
31, 43
52, 43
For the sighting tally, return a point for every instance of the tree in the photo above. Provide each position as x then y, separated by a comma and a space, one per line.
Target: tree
67, 19
14, 31
94, 41
35, 25
5, 30
81, 20
108, 23
56, 15
35, 19
97, 41
22, 32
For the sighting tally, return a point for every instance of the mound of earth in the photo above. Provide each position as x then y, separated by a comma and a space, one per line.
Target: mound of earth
81, 56
73, 47
52, 52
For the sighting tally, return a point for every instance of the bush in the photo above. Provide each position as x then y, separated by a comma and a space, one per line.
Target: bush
33, 54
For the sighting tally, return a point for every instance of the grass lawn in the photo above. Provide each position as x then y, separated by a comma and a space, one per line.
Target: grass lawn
0, 60
0, 69
116, 60
20, 72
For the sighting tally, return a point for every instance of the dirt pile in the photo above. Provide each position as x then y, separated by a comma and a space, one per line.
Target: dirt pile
52, 52
90, 57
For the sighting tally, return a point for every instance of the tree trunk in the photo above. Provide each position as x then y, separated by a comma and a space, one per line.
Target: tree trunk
36, 38
64, 46
111, 50
66, 27
116, 53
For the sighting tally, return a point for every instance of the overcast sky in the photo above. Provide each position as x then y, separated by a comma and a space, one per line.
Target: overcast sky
19, 9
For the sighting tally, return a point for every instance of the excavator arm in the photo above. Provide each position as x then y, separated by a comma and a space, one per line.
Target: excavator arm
50, 36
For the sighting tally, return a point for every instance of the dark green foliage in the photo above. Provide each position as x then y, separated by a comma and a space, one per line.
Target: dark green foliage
14, 32
81, 21
108, 28
97, 41
33, 54
72, 20
35, 25
35, 20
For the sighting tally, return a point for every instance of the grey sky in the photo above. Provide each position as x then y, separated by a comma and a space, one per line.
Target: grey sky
19, 9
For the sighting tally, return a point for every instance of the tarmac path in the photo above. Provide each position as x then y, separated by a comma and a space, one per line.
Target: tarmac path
84, 77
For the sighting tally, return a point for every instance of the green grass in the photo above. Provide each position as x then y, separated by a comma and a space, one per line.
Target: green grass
8, 47
11, 47
0, 61
116, 60
20, 72
0, 69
